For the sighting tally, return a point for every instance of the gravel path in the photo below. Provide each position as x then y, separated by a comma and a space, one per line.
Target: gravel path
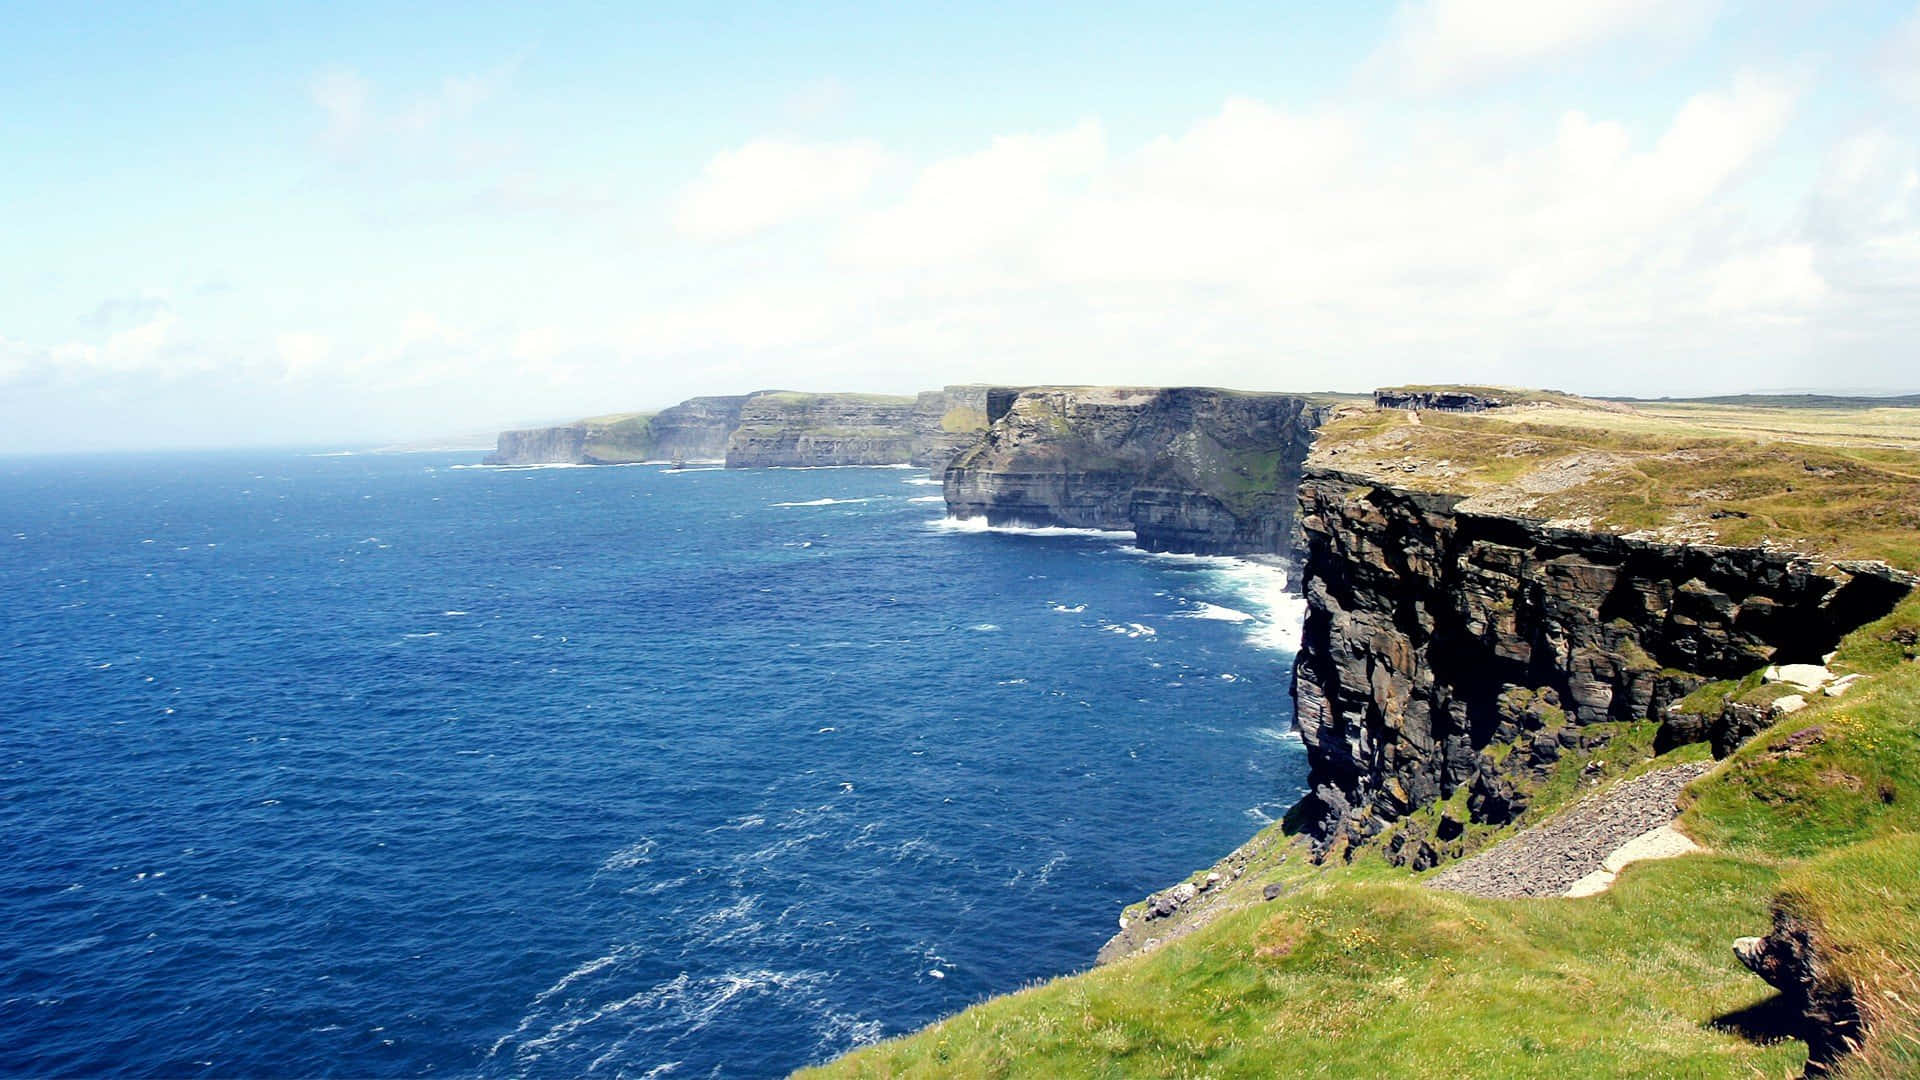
1546, 859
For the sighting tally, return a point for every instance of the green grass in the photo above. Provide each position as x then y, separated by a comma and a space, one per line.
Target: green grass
620, 437
1841, 496
1360, 970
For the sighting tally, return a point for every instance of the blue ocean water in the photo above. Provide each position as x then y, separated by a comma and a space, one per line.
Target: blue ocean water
385, 765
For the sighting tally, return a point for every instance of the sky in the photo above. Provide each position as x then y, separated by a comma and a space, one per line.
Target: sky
344, 223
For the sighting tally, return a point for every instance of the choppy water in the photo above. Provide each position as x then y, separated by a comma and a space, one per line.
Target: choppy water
381, 765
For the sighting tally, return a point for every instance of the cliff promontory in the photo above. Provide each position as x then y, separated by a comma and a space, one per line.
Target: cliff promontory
1187, 470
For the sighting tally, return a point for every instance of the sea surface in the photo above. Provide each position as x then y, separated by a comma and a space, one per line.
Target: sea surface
393, 765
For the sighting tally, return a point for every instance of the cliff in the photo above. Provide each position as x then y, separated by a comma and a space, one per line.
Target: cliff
541, 446
1187, 470
1449, 651
697, 429
784, 429
946, 423
769, 428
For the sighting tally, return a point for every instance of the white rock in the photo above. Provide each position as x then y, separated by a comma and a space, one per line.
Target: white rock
1664, 842
1213, 878
1592, 885
1804, 676
1184, 892
1788, 705
1124, 923
1843, 684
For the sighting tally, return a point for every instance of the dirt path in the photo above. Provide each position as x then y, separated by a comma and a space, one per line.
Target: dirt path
1548, 858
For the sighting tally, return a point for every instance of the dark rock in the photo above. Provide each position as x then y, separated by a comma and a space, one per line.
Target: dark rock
1791, 960
1185, 469
1273, 891
1459, 401
1445, 648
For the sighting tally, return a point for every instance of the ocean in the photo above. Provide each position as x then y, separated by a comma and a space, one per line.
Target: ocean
395, 765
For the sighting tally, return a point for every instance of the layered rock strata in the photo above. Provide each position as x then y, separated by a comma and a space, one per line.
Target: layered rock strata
1446, 649
1187, 469
792, 430
541, 446
946, 423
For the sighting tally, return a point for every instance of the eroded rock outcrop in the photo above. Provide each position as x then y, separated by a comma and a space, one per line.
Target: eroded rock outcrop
1186, 469
1792, 959
1446, 649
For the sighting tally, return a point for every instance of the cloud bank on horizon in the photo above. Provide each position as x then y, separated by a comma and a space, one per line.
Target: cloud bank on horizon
465, 221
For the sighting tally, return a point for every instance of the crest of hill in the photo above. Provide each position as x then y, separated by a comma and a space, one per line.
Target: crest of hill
1842, 483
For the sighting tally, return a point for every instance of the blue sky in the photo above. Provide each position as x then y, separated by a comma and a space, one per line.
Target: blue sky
246, 223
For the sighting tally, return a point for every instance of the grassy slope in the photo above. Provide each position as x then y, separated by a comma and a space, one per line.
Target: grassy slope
1360, 970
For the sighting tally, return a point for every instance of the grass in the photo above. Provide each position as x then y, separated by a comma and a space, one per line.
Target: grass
1851, 495
1865, 905
620, 437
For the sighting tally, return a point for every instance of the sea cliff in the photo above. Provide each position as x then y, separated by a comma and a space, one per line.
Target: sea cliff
1448, 650
767, 429
1191, 470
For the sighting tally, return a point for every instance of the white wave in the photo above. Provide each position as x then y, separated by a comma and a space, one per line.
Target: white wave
928, 499
453, 614
1276, 735
1275, 614
428, 634
1204, 610
1132, 630
925, 481
980, 525
638, 853
823, 502
985, 627
529, 468
1065, 610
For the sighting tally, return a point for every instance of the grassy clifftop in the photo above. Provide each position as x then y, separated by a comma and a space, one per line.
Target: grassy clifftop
1361, 969
1843, 483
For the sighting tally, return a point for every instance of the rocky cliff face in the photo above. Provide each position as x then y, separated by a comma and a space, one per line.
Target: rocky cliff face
697, 429
946, 423
1448, 649
796, 430
1187, 470
541, 446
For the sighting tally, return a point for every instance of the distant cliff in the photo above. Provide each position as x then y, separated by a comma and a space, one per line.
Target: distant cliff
769, 428
1187, 470
796, 430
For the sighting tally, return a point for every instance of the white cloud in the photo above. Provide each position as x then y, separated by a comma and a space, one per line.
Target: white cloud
303, 355
1898, 64
1440, 45
356, 124
770, 182
973, 204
